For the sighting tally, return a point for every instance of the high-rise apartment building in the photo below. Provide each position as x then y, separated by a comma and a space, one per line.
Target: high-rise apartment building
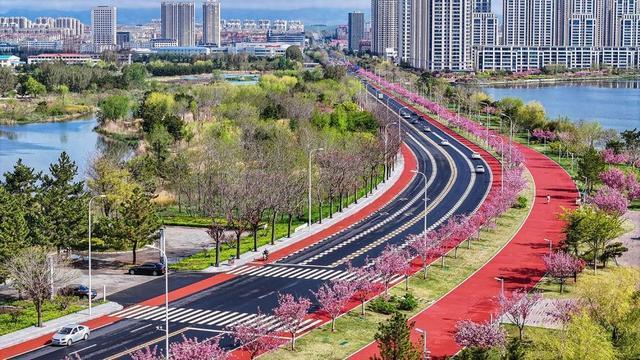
404, 30
75, 27
178, 22
485, 29
441, 35
103, 25
483, 6
356, 30
529, 22
211, 22
384, 27
583, 30
630, 31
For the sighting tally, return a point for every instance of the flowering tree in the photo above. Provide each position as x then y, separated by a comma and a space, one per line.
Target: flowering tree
561, 266
610, 201
333, 297
426, 246
480, 335
146, 353
291, 313
614, 178
518, 307
610, 157
189, 349
563, 310
392, 262
255, 337
361, 282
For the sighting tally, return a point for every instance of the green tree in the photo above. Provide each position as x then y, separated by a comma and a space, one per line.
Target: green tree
33, 87
23, 180
63, 91
113, 108
394, 339
13, 229
133, 75
136, 223
155, 108
8, 80
108, 178
531, 116
590, 165
62, 206
159, 141
294, 53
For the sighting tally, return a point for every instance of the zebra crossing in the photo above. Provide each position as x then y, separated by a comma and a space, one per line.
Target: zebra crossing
301, 273
201, 317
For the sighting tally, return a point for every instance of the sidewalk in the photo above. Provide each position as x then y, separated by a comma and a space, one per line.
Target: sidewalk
53, 325
519, 263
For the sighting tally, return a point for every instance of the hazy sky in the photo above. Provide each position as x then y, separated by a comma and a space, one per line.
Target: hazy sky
231, 4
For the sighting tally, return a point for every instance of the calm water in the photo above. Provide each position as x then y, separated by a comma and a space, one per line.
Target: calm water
615, 104
38, 145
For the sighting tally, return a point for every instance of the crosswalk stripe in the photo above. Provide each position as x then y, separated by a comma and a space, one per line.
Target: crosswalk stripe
159, 311
225, 315
179, 312
280, 271
299, 274
150, 309
187, 315
269, 271
309, 325
240, 269
233, 319
330, 275
312, 274
129, 309
295, 272
211, 316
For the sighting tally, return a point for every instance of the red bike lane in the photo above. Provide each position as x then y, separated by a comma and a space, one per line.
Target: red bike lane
519, 263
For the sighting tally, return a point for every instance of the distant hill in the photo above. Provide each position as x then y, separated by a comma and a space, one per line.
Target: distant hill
328, 16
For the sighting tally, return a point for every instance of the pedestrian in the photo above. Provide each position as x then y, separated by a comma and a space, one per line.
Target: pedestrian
548, 199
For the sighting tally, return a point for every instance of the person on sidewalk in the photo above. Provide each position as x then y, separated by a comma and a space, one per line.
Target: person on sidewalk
548, 199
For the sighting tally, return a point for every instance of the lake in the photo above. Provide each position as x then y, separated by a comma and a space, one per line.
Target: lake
40, 144
615, 104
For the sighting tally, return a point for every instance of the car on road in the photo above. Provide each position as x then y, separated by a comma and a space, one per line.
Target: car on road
380, 96
78, 290
476, 156
480, 169
148, 268
427, 129
444, 143
406, 115
69, 334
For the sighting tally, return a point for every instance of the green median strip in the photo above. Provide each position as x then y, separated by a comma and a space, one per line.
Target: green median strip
354, 332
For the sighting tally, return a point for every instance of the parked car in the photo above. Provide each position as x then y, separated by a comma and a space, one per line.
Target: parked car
444, 143
78, 290
476, 156
69, 334
480, 169
149, 268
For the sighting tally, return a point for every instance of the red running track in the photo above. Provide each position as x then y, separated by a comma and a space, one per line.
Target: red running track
410, 163
519, 262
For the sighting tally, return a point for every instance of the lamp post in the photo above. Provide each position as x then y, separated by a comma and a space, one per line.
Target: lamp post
501, 161
550, 245
426, 187
510, 133
501, 279
423, 333
386, 141
309, 175
102, 196
166, 294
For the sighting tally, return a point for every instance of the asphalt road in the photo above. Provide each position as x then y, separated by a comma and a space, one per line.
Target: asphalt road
453, 189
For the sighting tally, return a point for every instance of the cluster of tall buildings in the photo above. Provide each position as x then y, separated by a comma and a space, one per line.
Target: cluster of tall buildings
178, 22
463, 35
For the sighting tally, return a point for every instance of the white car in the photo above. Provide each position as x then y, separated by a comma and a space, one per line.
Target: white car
406, 115
69, 334
476, 156
427, 129
480, 169
444, 143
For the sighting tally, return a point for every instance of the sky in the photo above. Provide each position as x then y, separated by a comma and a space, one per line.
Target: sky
231, 4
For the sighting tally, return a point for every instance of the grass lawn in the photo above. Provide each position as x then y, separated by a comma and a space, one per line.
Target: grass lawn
354, 332
51, 310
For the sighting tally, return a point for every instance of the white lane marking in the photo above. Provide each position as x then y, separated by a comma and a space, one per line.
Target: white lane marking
211, 316
140, 328
88, 347
226, 315
187, 317
122, 312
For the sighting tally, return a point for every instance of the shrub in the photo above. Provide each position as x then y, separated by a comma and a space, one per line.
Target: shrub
62, 302
521, 203
407, 302
381, 306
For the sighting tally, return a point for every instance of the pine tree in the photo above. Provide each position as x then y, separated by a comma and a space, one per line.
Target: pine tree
13, 228
394, 340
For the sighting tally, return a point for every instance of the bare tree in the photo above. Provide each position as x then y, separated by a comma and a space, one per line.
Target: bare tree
36, 272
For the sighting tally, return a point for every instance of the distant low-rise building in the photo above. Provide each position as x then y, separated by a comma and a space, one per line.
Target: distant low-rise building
9, 61
70, 59
186, 50
163, 43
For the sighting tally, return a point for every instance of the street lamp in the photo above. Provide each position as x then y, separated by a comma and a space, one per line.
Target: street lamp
501, 279
501, 161
166, 293
102, 196
426, 187
423, 334
510, 133
309, 175
550, 245
386, 171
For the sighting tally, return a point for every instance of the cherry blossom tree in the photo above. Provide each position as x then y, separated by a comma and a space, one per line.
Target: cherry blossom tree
426, 246
333, 297
256, 337
563, 310
189, 349
361, 282
610, 157
146, 353
480, 335
392, 262
518, 307
561, 266
614, 178
610, 201
291, 313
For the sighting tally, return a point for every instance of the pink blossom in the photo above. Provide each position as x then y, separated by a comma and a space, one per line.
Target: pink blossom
392, 262
333, 298
563, 310
610, 200
610, 157
614, 178
480, 335
146, 354
361, 281
518, 307
256, 337
291, 312
561, 265
189, 349
426, 246
633, 187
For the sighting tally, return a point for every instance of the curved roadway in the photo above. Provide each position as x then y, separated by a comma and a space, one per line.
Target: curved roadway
453, 189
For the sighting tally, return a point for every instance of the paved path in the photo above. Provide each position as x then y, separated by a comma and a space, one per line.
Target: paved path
519, 263
632, 241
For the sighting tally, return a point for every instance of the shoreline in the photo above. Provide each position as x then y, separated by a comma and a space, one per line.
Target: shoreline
553, 80
50, 119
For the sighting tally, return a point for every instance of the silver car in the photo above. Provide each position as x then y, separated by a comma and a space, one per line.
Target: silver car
444, 143
480, 169
476, 156
69, 334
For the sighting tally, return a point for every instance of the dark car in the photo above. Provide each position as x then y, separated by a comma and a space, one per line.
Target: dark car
78, 290
149, 268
